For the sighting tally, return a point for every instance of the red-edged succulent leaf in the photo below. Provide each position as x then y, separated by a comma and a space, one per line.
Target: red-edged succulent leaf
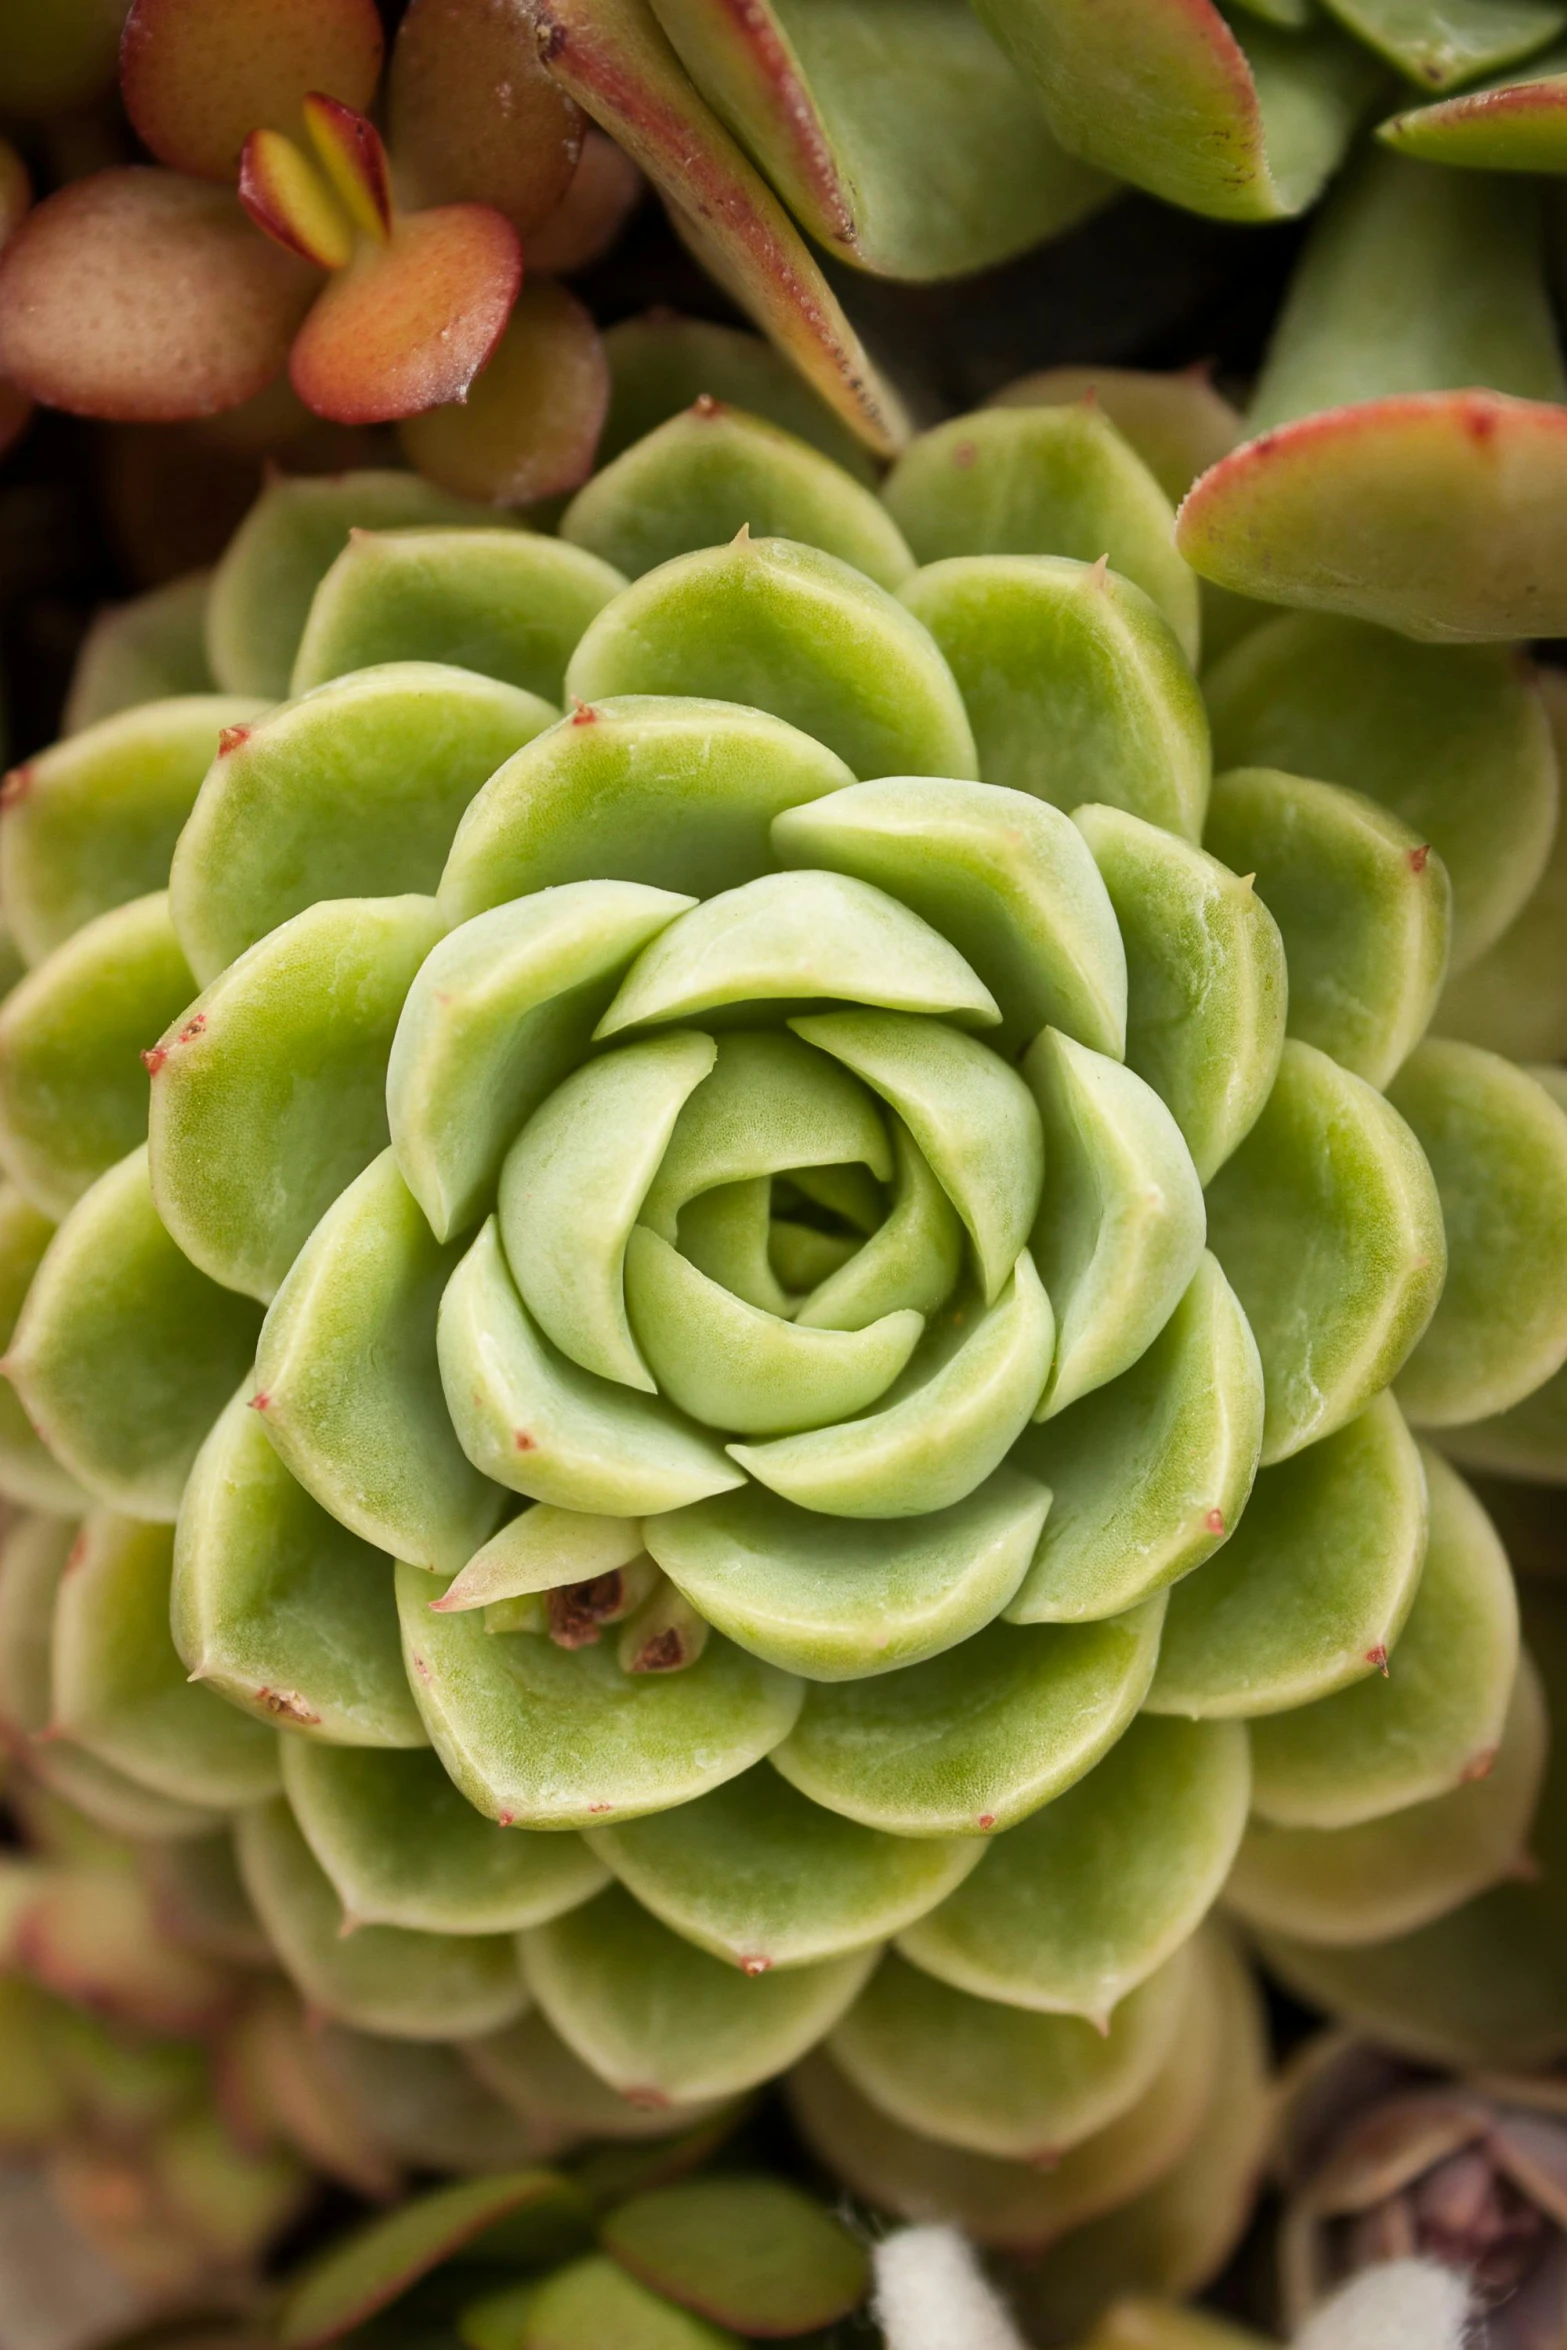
289, 199
473, 116
1442, 514
612, 57
16, 191
1515, 125
408, 324
529, 427
198, 76
605, 190
1166, 94
146, 296
349, 146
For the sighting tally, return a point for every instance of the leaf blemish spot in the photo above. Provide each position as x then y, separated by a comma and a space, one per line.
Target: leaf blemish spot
524, 1442
230, 738
583, 713
755, 1966
1378, 1656
1214, 1521
987, 1819
259, 1401
153, 1059
1420, 858
963, 455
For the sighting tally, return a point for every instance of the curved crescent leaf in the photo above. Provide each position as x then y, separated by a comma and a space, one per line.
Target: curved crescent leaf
376, 1978
1311, 1591
278, 1605
73, 1092
353, 791
613, 59
546, 1737
785, 628
834, 1603
502, 1011
1002, 875
979, 1737
123, 1346
996, 2079
1497, 1144
1151, 1473
1515, 123
348, 1379
1453, 43
509, 603
1077, 1905
91, 823
1436, 514
269, 1093
663, 2022
660, 789
759, 1875
1178, 424
697, 479
1207, 984
1328, 1224
120, 1688
403, 1847
1437, 1720
1120, 1230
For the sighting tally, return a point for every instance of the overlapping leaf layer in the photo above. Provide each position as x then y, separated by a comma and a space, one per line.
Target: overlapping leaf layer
735, 1286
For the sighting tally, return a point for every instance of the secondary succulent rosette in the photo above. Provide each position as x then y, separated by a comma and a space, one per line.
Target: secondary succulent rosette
755, 1284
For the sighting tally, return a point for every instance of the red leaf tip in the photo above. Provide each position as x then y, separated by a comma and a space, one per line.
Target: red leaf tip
153, 1059
755, 1966
1419, 858
1378, 1656
230, 738
1214, 1521
987, 1819
17, 784
583, 713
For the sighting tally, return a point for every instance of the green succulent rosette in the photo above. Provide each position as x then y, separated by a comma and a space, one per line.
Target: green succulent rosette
735, 1285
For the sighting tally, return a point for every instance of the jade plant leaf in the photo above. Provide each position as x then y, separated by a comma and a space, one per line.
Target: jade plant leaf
788, 629
474, 115
753, 2253
1071, 1909
757, 1874
545, 1737
979, 1737
196, 82
663, 2022
409, 1986
1437, 1720
1313, 1587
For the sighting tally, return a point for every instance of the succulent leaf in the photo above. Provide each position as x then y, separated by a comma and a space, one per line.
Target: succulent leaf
142, 651
474, 117
527, 425
747, 2252
29, 1473
1437, 48
1513, 122
661, 364
531, 2068
197, 76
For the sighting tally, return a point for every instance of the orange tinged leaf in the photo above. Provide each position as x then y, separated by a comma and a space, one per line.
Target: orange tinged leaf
349, 145
472, 115
198, 76
530, 426
287, 197
142, 295
408, 324
590, 216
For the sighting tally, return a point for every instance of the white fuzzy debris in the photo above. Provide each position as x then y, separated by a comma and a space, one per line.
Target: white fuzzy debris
1402, 2305
930, 2295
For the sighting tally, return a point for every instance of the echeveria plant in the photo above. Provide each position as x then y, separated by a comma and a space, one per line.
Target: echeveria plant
752, 1275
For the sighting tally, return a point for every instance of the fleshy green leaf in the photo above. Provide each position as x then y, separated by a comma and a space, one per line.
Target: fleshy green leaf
696, 480
997, 2079
1363, 909
377, 1978
120, 1688
1328, 1225
760, 1876
1178, 423
1514, 122
29, 1473
1439, 47
403, 1848
530, 2067
979, 1737
265, 582
123, 1347
348, 1378
594, 2301
1206, 979
92, 822
1497, 1145
1047, 481
545, 1737
785, 628
1075, 1906
278, 1605
507, 603
353, 791
145, 650
750, 2252
1150, 1473
1514, 999
1437, 1720
661, 363
1312, 1589
663, 2022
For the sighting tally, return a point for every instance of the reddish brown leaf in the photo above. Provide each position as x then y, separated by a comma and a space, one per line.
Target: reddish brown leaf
290, 202
141, 295
530, 426
612, 57
408, 324
584, 225
199, 75
350, 147
472, 115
